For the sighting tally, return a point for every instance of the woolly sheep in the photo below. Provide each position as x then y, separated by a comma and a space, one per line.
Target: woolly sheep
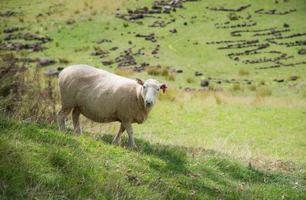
105, 97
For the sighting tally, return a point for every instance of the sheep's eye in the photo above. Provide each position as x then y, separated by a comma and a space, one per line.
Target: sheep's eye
144, 87
157, 89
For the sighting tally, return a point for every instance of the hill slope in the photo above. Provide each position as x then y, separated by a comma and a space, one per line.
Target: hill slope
40, 162
252, 44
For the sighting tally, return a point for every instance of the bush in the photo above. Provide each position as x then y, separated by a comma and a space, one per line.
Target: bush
252, 87
154, 71
237, 87
26, 94
165, 72
190, 80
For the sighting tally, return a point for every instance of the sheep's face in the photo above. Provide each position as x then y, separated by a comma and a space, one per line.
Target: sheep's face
151, 90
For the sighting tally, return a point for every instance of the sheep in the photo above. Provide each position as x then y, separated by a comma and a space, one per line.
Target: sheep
105, 97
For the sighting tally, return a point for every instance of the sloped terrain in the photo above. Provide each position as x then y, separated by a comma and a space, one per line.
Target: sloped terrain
230, 126
39, 162
245, 43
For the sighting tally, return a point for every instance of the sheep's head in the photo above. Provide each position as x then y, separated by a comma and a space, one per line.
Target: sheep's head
151, 90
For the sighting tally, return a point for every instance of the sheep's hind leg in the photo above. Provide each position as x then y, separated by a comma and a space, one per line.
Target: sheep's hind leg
61, 117
76, 120
129, 129
117, 138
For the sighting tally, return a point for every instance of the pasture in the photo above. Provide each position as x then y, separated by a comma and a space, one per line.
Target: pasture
241, 136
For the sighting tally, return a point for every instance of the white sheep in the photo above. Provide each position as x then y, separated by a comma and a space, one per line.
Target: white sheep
105, 97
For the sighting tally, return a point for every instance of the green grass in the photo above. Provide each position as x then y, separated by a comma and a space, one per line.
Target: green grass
246, 141
42, 163
75, 42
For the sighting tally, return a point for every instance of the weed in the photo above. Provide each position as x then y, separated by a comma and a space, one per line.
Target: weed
165, 72
252, 87
154, 70
237, 87
190, 80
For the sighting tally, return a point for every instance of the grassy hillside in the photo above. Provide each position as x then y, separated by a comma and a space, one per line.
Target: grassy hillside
201, 30
42, 163
241, 137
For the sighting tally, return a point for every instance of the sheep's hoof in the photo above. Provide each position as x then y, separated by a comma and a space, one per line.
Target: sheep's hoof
116, 142
132, 146
77, 132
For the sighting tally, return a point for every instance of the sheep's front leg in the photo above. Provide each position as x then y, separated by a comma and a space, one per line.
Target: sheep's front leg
76, 120
61, 117
117, 138
129, 129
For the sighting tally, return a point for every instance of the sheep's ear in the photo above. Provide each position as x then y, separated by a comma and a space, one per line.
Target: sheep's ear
163, 87
139, 81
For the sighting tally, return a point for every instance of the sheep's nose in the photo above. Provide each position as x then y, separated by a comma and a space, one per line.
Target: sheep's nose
148, 103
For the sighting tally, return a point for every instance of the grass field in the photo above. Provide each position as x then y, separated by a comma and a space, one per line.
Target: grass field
243, 137
39, 162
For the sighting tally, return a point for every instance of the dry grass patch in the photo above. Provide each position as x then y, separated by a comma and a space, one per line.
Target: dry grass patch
124, 72
244, 72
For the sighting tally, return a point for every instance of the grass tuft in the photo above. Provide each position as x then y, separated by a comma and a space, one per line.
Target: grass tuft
244, 72
263, 92
190, 80
123, 72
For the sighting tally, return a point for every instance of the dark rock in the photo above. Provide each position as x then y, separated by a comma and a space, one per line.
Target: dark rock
51, 72
173, 31
286, 25
179, 71
154, 52
185, 23
107, 62
302, 52
279, 80
167, 9
63, 60
7, 13
126, 58
28, 36
233, 16
99, 52
188, 89
150, 37
11, 29
19, 46
104, 41
204, 83
45, 61
70, 21
141, 68
114, 48
241, 8
198, 73
130, 42
133, 179
294, 78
